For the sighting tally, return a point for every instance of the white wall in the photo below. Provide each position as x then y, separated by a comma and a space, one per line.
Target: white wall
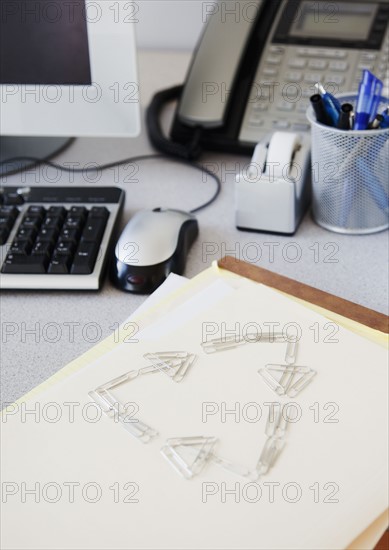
170, 24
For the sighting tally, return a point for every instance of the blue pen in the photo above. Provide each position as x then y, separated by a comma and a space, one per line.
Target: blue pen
385, 122
372, 184
369, 97
331, 104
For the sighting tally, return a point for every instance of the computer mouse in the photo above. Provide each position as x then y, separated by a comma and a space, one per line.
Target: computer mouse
153, 244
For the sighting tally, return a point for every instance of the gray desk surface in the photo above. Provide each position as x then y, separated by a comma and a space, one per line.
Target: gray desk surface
355, 268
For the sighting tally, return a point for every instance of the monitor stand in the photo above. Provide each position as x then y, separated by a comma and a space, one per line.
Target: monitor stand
42, 148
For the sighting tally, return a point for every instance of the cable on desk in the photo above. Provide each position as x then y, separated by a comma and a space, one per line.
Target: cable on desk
107, 166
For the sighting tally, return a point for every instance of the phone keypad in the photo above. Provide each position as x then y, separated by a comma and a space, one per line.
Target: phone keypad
297, 63
286, 79
318, 64
338, 66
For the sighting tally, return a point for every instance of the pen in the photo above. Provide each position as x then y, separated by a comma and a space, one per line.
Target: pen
385, 122
331, 104
372, 184
320, 110
346, 117
376, 123
369, 97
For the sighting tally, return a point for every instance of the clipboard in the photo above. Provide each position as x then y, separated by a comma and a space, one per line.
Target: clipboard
345, 308
167, 306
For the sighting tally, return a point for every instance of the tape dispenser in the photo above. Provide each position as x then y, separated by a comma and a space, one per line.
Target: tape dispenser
273, 194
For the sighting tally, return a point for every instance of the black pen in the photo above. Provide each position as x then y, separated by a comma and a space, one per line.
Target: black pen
346, 117
320, 111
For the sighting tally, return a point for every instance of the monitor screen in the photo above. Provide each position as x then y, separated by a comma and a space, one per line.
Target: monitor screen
68, 68
40, 45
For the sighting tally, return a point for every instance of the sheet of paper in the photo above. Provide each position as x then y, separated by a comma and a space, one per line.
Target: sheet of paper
342, 461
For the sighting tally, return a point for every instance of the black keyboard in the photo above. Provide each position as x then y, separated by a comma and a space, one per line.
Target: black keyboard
56, 237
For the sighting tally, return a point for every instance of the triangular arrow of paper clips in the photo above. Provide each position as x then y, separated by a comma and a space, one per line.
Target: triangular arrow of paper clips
175, 364
189, 455
287, 380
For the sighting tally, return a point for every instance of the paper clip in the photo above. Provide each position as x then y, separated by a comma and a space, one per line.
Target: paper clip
236, 340
276, 426
302, 383
276, 422
270, 453
292, 381
113, 408
291, 352
189, 455
222, 344
175, 364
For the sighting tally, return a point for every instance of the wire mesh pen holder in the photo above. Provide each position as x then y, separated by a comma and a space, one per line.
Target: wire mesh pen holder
350, 176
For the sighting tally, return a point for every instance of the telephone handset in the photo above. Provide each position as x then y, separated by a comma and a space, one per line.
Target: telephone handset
256, 65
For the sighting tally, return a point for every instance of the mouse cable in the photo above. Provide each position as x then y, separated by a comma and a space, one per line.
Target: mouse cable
102, 167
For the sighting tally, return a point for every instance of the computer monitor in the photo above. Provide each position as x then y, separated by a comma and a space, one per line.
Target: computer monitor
67, 69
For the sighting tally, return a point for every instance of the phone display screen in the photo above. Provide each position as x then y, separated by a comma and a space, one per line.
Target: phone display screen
334, 19
356, 24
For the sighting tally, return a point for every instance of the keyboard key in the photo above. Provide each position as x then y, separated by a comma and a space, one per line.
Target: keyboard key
73, 223
273, 60
269, 71
334, 54
93, 230
285, 106
369, 56
281, 124
38, 211
47, 235
42, 248
302, 106
276, 49
78, 212
313, 78
338, 66
297, 63
71, 235
20, 247
256, 122
294, 76
57, 211
300, 127
99, 212
367, 66
259, 107
65, 248
53, 222
317, 64
85, 258
4, 234
25, 264
25, 234
31, 222
6, 222
9, 212
8, 215
60, 265
12, 198
336, 78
